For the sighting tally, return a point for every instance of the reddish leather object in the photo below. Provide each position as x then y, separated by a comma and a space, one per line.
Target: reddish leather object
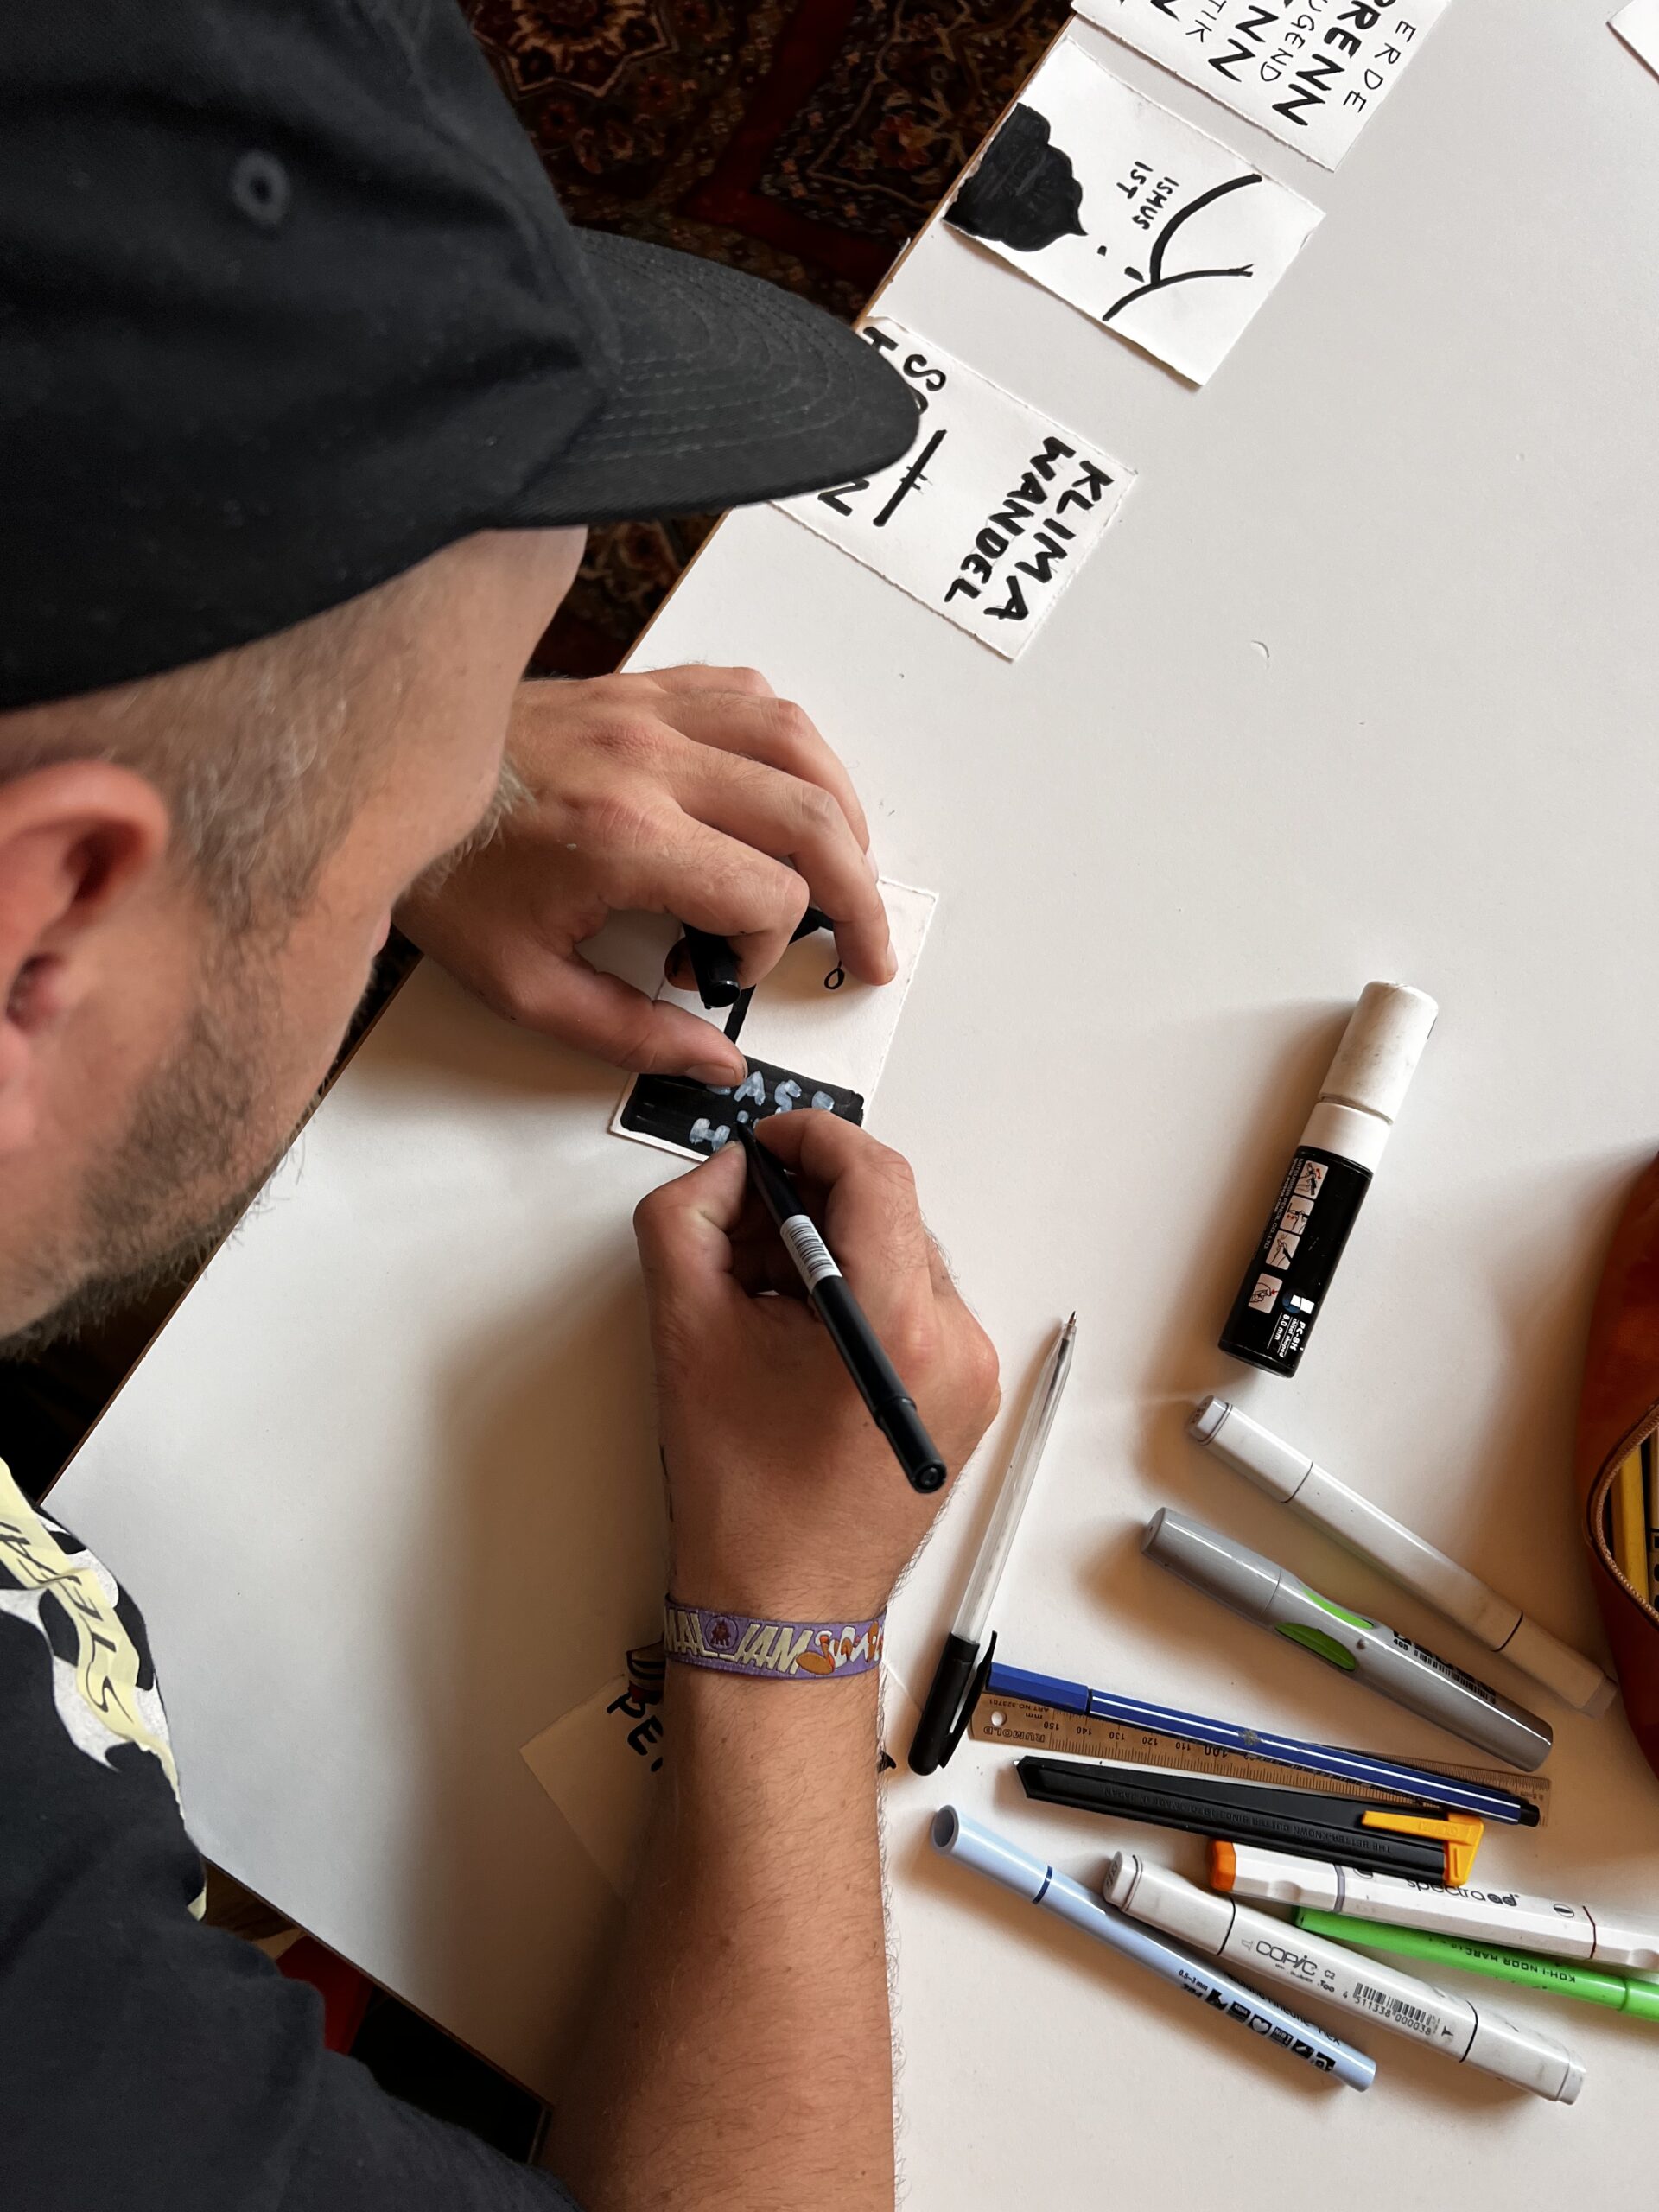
1617, 1401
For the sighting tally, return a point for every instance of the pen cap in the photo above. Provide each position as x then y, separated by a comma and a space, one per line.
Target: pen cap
1268, 1461
987, 1853
1245, 1870
1380, 1050
1559, 1668
1520, 2055
1154, 1894
1211, 1562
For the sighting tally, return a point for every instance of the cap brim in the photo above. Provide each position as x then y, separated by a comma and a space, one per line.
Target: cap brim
727, 390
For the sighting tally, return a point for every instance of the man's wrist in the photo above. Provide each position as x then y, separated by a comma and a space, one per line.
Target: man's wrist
770, 1649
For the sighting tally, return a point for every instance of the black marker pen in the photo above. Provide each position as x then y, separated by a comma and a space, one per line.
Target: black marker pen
1326, 1181
892, 1407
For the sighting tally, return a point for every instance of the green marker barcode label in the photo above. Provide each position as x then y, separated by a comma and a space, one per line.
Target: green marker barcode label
1039, 1727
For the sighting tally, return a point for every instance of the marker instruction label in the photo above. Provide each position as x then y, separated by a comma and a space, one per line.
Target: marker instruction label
1311, 71
990, 514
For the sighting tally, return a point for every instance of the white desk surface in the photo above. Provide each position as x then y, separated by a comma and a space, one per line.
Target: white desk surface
1362, 684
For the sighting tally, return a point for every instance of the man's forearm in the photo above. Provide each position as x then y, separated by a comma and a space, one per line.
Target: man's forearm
742, 2055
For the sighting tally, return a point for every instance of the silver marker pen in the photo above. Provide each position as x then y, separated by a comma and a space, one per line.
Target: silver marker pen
1315, 1967
1372, 1653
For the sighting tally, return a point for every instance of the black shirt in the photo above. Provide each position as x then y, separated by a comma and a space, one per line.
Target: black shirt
149, 2061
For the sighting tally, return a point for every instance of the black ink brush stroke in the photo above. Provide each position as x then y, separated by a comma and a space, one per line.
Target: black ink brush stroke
1025, 193
1157, 281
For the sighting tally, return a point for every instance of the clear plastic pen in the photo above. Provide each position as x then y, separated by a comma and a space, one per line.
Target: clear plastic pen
945, 1714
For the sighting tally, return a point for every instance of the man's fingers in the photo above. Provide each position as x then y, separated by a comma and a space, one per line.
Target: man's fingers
776, 813
561, 995
872, 1221
684, 1234
779, 735
694, 676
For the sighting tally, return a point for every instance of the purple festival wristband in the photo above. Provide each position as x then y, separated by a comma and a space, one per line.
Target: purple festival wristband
779, 1651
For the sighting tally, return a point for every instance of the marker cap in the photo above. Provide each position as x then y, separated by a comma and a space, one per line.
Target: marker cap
1179, 1908
1521, 2054
1245, 1870
1212, 1562
1380, 1050
1270, 1463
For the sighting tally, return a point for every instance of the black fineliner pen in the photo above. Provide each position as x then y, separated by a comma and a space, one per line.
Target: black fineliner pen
892, 1407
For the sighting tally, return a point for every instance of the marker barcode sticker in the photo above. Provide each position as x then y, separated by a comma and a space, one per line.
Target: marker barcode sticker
1039, 1727
808, 1249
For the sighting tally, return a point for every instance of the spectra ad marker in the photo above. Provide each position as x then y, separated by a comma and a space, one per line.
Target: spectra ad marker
1324, 1186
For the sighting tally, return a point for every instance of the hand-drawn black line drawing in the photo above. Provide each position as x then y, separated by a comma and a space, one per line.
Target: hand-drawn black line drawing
1155, 280
1025, 193
907, 483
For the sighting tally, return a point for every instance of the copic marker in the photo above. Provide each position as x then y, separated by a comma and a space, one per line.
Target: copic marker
1386, 1838
1374, 1653
1436, 2018
1554, 1977
1364, 1767
1501, 1916
1033, 1879
1285, 1284
1292, 1478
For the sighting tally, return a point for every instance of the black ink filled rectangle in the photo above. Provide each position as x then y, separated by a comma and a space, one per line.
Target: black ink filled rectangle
700, 1117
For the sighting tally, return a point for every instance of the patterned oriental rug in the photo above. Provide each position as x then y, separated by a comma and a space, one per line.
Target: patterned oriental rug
803, 143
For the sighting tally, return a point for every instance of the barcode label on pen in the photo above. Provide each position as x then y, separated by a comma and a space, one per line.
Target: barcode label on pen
1412, 2018
1039, 1727
809, 1250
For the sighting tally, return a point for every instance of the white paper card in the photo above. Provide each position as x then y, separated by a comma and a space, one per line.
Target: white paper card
598, 1765
990, 514
1149, 225
1311, 71
813, 1036
1638, 26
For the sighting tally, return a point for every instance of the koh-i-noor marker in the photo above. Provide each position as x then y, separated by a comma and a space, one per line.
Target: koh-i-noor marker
1292, 1478
1039, 1883
1563, 1931
1260, 1944
1386, 1838
950, 1698
1620, 1993
1370, 1651
1363, 1767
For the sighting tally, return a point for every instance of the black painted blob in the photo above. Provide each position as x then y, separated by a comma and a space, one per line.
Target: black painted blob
1023, 193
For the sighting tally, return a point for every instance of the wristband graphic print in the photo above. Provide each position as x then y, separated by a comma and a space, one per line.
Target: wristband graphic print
780, 1651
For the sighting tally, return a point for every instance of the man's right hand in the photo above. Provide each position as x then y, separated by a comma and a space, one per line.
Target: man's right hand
787, 1501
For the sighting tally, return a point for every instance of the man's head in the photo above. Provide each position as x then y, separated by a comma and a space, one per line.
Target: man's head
196, 872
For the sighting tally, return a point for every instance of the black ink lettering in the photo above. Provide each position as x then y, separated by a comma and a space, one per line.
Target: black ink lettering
1227, 63
1308, 90
1045, 551
1014, 607
836, 496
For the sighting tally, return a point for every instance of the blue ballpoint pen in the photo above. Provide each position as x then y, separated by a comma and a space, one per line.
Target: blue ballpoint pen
1283, 1751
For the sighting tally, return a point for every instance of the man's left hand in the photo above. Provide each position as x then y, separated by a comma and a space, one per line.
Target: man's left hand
692, 792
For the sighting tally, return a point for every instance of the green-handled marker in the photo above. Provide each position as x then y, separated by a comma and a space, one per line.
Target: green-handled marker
1556, 1977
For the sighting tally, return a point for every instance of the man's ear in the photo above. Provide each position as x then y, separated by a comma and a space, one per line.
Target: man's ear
78, 841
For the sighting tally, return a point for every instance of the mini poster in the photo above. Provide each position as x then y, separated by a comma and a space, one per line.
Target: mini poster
1638, 26
600, 1764
813, 1035
1149, 225
1311, 71
990, 514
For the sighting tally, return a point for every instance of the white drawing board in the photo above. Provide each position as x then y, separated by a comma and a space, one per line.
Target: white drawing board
1156, 231
1360, 684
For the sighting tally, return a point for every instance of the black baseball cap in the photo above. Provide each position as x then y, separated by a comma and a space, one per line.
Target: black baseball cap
287, 303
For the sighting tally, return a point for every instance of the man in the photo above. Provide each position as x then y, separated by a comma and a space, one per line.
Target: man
305, 392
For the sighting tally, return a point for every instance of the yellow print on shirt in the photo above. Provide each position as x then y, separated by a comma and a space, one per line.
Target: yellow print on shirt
107, 1664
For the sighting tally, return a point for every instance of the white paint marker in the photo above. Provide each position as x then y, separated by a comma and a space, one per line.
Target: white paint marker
1292, 1478
1317, 1968
1503, 1917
